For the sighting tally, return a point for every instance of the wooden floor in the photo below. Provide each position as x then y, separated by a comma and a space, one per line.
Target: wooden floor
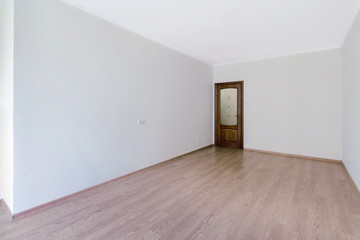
215, 193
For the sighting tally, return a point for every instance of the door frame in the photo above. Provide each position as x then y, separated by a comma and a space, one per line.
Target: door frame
240, 110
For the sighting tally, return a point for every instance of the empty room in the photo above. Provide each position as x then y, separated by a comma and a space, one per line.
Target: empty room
212, 120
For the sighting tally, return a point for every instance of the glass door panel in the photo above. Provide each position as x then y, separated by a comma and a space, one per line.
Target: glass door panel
228, 106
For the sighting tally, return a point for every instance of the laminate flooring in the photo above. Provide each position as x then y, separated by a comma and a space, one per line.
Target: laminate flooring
213, 193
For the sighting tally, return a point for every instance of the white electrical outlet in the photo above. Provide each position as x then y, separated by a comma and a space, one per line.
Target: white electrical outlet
141, 122
199, 139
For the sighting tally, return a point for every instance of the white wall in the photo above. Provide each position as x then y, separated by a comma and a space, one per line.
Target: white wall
6, 101
81, 84
351, 107
292, 104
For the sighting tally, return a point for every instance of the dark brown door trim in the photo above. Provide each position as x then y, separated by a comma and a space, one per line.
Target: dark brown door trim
218, 87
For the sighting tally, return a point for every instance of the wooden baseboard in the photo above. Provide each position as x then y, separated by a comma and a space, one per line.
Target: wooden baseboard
62, 199
295, 156
356, 187
6, 209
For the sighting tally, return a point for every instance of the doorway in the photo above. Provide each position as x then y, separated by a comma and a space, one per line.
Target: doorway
229, 114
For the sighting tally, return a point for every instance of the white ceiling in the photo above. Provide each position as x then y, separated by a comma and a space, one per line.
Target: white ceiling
222, 31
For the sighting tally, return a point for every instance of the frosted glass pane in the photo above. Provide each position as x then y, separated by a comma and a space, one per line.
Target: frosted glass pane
228, 108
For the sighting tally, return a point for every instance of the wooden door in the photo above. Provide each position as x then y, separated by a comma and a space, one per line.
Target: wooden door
229, 117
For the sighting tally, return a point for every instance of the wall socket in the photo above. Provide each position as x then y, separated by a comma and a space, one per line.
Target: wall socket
141, 122
199, 139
